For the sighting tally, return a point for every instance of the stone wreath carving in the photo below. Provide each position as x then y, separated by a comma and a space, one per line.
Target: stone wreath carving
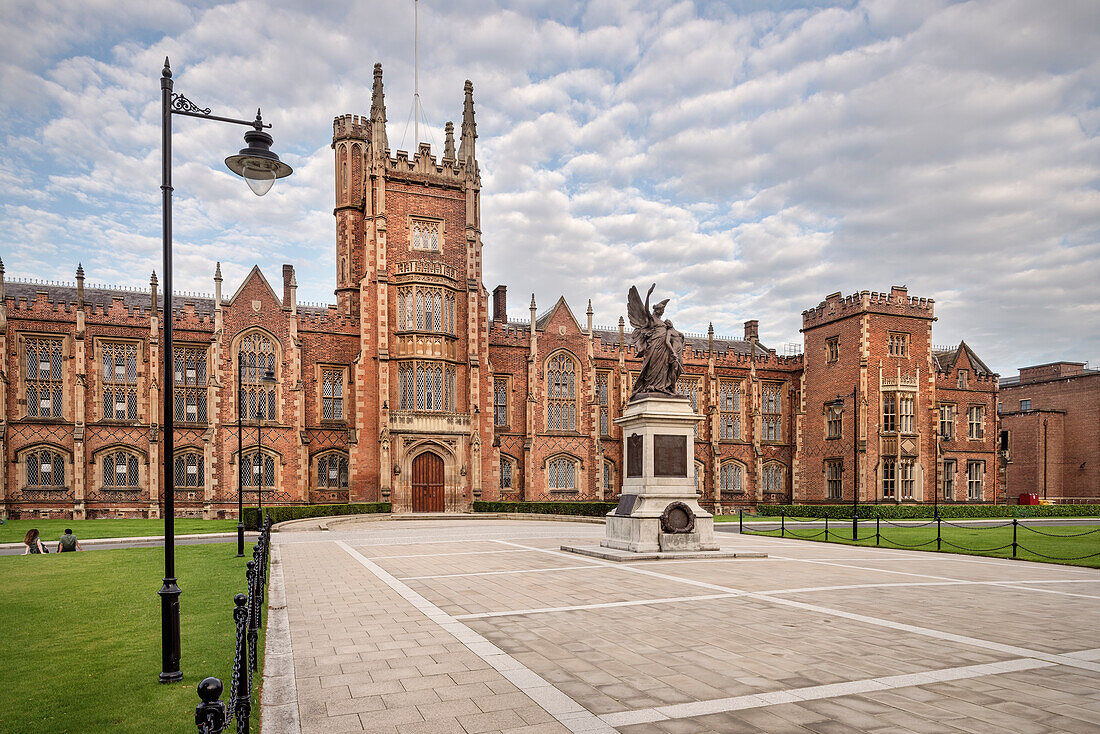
677, 518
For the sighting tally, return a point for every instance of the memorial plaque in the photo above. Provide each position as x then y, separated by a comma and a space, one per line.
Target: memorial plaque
634, 456
626, 504
669, 456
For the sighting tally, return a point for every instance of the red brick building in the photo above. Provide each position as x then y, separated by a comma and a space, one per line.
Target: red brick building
410, 390
1050, 432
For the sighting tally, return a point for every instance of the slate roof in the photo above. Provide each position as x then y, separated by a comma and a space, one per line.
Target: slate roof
946, 359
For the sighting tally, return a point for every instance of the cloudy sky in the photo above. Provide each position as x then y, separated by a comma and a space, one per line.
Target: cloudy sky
749, 157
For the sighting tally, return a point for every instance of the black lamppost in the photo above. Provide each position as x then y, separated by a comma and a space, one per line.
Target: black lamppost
259, 167
854, 395
240, 458
269, 380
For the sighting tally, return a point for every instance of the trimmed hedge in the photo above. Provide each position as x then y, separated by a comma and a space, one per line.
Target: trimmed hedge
295, 512
902, 512
582, 509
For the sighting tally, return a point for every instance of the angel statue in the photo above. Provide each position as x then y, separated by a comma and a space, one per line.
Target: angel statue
657, 342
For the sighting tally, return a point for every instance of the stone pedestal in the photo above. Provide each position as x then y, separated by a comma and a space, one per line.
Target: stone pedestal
658, 510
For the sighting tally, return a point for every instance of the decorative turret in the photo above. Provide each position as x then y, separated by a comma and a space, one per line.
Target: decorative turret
466, 151
153, 289
379, 141
218, 286
79, 286
449, 143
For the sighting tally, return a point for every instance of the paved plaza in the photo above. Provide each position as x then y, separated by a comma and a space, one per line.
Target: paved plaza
455, 625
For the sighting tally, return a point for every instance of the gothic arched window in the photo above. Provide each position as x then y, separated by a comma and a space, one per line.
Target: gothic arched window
45, 468
731, 478
561, 393
332, 471
120, 470
188, 470
561, 473
256, 354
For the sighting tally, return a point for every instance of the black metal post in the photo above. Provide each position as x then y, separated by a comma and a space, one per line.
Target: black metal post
210, 714
252, 579
169, 591
260, 455
876, 532
240, 463
782, 523
243, 693
741, 520
826, 528
1015, 522
855, 461
938, 536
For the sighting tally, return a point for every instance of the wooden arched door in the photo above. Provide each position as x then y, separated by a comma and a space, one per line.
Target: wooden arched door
427, 483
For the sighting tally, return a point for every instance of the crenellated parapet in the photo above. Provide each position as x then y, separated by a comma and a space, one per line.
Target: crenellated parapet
350, 127
423, 167
897, 302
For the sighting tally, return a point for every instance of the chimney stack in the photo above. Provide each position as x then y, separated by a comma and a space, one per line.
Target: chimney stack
752, 330
500, 303
288, 285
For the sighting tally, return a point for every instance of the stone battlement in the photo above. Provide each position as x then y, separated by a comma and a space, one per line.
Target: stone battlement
897, 302
354, 127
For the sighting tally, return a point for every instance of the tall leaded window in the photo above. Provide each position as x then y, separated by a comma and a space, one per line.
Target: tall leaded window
561, 393
833, 416
772, 397
905, 479
507, 468
426, 386
832, 349
834, 471
423, 308
773, 478
975, 479
730, 478
729, 410
561, 473
257, 355
961, 380
899, 344
45, 468
120, 470
889, 413
976, 415
905, 413
425, 234
947, 422
188, 470
332, 471
889, 478
190, 384
257, 468
500, 401
119, 381
43, 380
608, 478
602, 397
689, 388
332, 394
947, 479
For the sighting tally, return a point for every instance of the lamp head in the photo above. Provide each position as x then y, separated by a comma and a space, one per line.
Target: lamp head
256, 163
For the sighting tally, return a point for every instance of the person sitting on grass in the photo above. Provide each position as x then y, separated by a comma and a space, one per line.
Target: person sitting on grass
68, 542
33, 543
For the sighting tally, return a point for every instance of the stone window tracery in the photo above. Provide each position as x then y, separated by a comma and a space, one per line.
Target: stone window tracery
507, 469
120, 470
423, 308
44, 382
689, 388
256, 355
602, 396
773, 478
729, 411
731, 478
561, 393
905, 413
332, 471
889, 478
834, 471
561, 473
772, 398
256, 468
426, 386
188, 470
119, 363
332, 394
189, 384
44, 468
500, 402
833, 421
426, 234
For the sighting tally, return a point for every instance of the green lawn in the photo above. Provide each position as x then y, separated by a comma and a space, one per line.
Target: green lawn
1056, 541
13, 530
82, 638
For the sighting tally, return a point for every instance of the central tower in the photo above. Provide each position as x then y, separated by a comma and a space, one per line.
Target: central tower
408, 266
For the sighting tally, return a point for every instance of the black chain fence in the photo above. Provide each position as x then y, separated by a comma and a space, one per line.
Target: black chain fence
212, 716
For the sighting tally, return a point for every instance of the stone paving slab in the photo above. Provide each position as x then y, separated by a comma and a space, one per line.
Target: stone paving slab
488, 627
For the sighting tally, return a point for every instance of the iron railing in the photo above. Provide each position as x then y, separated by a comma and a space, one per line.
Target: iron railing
212, 716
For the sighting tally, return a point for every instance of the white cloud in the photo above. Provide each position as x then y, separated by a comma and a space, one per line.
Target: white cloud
749, 159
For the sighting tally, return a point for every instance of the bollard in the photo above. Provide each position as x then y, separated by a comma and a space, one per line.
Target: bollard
253, 623
1014, 523
938, 521
210, 714
855, 528
782, 523
826, 528
741, 520
876, 531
